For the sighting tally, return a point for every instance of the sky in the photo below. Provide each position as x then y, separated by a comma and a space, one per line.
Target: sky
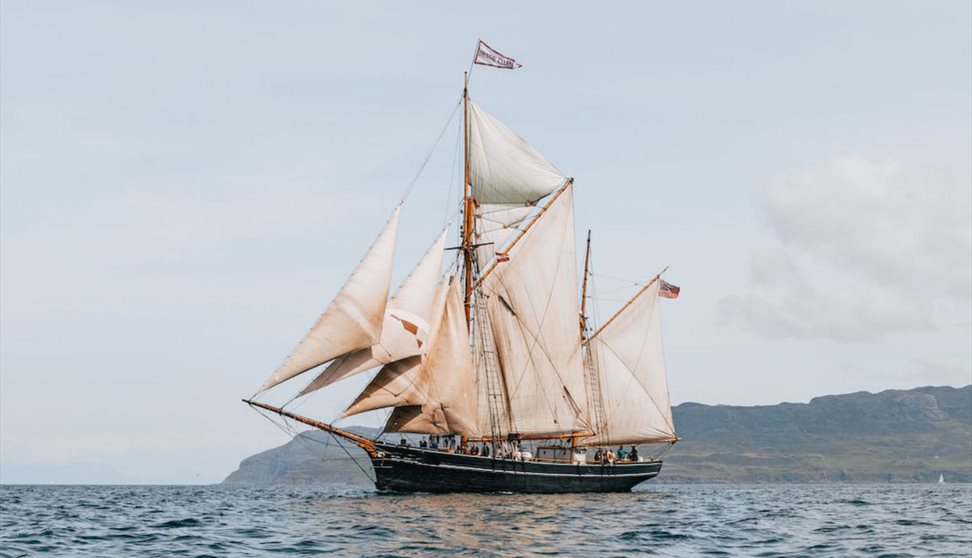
184, 186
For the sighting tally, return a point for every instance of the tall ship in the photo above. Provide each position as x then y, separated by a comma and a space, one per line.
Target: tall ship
492, 375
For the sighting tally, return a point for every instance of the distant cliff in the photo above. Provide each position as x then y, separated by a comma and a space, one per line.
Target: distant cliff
892, 436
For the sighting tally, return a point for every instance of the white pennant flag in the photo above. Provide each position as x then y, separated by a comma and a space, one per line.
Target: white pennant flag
488, 56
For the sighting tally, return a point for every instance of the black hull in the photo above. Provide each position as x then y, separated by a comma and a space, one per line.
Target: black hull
407, 469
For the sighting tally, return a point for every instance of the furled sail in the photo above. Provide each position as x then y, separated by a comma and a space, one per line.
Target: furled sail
507, 178
627, 354
531, 301
405, 329
354, 318
450, 380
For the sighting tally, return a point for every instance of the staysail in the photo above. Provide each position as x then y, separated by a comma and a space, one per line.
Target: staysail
405, 381
405, 329
627, 354
507, 178
354, 318
449, 379
531, 301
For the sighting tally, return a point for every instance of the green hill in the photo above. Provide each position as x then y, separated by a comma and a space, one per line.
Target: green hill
893, 436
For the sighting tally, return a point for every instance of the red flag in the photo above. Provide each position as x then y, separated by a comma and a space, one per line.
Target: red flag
488, 56
668, 290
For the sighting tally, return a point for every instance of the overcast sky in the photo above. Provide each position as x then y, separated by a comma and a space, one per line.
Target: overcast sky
186, 185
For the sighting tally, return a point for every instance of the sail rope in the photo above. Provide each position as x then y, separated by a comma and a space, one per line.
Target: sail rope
428, 157
287, 428
454, 177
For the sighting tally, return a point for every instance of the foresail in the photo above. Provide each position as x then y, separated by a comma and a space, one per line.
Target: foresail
405, 328
628, 357
507, 177
397, 384
531, 301
354, 318
404, 381
447, 370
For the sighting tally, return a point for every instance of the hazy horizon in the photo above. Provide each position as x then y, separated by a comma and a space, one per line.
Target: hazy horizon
184, 187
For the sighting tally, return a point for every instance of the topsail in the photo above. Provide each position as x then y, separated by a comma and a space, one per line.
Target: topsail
507, 178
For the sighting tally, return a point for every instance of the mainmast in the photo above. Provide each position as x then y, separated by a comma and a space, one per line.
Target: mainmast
583, 304
467, 203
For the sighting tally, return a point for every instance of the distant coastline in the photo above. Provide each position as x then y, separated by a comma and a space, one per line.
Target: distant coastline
898, 436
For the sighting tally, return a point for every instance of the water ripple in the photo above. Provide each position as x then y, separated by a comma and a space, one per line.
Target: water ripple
661, 520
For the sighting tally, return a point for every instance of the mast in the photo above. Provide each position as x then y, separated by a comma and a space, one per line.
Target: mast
467, 213
583, 305
467, 203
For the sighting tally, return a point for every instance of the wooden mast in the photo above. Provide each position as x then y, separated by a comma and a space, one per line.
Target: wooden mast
583, 306
467, 204
467, 214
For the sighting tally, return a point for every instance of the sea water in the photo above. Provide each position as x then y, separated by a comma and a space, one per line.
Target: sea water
657, 519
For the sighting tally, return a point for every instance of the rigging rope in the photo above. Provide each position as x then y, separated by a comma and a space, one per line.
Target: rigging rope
431, 151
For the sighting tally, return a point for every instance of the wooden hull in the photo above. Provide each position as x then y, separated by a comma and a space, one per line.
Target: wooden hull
407, 469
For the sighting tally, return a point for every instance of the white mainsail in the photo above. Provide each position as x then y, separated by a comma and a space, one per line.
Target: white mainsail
354, 318
531, 301
627, 354
447, 369
405, 329
507, 177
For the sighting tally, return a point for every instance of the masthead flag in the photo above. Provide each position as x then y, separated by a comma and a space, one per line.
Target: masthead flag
488, 56
668, 290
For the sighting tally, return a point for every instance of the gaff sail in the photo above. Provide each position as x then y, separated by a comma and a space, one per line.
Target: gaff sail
627, 353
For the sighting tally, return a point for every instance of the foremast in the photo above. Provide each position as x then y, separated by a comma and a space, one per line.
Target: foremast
468, 206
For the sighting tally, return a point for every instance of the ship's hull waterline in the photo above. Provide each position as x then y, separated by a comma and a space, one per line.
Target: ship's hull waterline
408, 469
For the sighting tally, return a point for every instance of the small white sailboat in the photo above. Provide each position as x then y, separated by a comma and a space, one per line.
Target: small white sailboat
941, 478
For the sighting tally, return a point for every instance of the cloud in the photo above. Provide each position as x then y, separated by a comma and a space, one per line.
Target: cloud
784, 303
883, 246
874, 218
944, 370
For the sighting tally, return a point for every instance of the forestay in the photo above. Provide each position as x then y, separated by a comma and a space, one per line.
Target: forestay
354, 318
531, 302
627, 354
